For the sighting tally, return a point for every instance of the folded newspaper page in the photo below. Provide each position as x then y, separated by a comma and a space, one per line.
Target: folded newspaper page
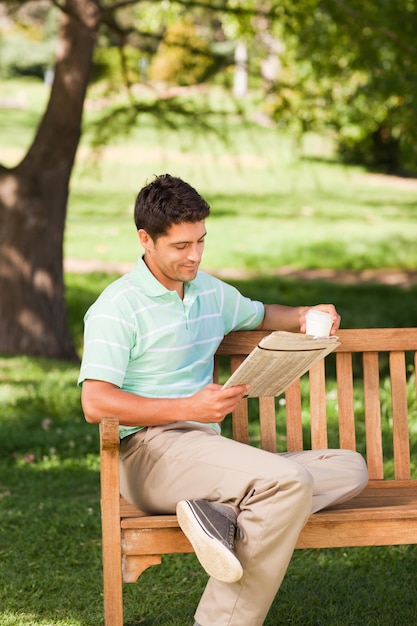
279, 360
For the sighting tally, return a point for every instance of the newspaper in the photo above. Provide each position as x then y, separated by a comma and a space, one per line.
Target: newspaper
279, 360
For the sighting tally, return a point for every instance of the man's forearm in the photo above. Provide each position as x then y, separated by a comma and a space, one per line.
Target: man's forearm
101, 399
280, 317
209, 405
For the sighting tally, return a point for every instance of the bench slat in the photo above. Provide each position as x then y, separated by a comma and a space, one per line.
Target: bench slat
294, 418
318, 407
240, 418
374, 454
377, 339
400, 415
352, 340
267, 423
110, 518
241, 422
377, 496
344, 375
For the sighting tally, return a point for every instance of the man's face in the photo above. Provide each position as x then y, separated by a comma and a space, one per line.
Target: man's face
174, 258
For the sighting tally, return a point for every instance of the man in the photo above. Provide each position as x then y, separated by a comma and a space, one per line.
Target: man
150, 339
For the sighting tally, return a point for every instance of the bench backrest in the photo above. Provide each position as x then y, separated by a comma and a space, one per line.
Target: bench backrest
370, 369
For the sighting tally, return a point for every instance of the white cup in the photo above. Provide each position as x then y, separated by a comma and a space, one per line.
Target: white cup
318, 323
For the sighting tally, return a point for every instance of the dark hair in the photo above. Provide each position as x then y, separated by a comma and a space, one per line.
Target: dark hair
165, 201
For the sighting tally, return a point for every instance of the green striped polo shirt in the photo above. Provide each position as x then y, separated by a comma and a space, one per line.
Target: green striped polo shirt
146, 340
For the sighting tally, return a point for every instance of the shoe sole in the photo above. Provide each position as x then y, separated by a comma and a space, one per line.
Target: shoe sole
217, 560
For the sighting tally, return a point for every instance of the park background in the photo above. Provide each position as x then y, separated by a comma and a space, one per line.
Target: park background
295, 219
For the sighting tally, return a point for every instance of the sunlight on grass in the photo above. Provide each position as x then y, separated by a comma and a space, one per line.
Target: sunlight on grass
27, 619
274, 207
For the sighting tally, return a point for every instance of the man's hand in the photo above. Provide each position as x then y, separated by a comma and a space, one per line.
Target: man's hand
213, 403
326, 308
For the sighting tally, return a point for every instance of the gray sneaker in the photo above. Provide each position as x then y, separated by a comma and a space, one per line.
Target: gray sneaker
211, 528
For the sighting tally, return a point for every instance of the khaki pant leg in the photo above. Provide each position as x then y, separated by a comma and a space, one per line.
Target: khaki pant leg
273, 495
338, 475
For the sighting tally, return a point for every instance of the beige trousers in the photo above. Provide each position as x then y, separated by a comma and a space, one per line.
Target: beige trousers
273, 495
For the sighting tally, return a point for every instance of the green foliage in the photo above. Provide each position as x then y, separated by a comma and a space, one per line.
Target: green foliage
183, 56
347, 68
351, 68
285, 204
114, 65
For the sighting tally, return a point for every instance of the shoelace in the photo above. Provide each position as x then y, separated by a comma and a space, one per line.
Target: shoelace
232, 532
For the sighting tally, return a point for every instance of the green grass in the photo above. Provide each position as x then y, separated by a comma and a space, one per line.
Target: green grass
270, 207
278, 210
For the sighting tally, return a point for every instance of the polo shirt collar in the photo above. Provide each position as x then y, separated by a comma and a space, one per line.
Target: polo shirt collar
143, 278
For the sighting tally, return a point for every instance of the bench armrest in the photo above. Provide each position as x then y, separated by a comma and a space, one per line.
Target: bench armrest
109, 434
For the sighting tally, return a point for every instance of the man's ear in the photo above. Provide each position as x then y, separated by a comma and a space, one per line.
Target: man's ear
144, 238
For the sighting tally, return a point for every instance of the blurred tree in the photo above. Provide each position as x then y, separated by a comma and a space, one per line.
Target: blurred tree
183, 57
351, 67
33, 200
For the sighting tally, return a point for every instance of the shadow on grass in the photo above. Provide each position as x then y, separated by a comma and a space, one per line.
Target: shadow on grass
348, 587
282, 204
50, 543
376, 169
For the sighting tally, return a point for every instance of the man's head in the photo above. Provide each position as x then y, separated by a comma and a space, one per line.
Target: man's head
166, 201
169, 216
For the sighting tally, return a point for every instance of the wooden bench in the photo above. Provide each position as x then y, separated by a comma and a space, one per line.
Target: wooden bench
384, 514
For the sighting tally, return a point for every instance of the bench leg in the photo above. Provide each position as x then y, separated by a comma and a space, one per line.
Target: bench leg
110, 523
112, 585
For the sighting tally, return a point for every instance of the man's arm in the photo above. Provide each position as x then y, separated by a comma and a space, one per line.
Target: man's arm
293, 319
211, 404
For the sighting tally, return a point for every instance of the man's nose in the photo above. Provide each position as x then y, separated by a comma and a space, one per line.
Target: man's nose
194, 253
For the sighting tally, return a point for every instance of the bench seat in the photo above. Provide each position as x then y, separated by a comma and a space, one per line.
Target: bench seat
370, 519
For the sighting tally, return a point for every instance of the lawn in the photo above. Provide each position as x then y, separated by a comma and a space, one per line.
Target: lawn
273, 204
277, 208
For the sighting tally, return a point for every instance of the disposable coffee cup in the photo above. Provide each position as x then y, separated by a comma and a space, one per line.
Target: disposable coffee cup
318, 323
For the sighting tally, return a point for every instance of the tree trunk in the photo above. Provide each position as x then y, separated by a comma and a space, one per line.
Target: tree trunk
33, 202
